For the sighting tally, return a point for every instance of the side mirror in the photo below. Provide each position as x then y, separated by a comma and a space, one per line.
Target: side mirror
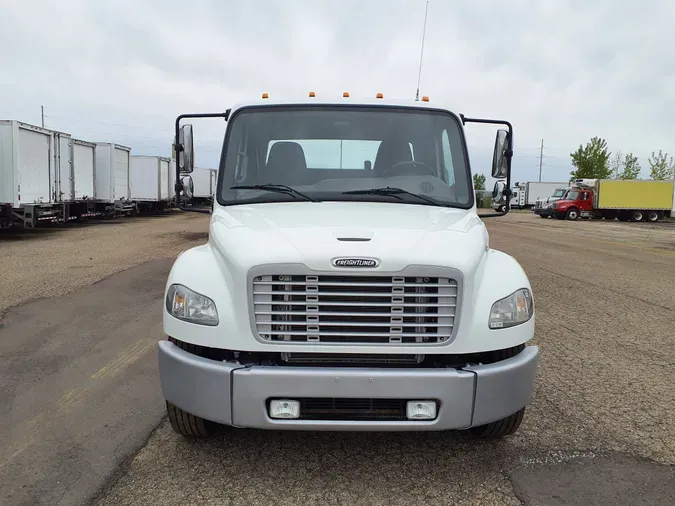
186, 157
499, 158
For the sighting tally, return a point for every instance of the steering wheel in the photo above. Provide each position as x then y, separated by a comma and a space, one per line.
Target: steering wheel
398, 169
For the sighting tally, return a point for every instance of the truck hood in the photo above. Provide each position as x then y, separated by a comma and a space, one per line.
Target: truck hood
314, 233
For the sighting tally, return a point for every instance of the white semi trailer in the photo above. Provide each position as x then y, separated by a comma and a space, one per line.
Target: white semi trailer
112, 178
30, 178
149, 182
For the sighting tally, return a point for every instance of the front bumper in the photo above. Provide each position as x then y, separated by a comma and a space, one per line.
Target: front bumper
232, 394
543, 211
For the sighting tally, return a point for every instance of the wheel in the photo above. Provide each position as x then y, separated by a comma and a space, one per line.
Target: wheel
187, 424
543, 216
637, 215
500, 428
652, 216
572, 213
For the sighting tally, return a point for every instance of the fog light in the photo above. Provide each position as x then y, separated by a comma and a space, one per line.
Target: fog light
284, 408
420, 410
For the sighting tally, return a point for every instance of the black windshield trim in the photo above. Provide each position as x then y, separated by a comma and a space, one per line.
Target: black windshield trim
302, 107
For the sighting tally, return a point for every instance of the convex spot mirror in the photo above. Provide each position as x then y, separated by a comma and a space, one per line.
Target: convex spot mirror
186, 157
499, 159
497, 189
188, 186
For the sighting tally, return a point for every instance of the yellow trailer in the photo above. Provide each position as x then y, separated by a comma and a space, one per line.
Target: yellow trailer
627, 200
628, 195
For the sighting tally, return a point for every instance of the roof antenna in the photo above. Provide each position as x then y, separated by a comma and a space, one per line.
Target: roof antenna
424, 32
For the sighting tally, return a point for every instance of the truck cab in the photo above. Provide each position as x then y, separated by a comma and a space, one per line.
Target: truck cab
578, 201
543, 208
348, 282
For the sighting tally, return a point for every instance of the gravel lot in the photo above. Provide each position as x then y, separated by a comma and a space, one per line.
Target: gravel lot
601, 427
56, 261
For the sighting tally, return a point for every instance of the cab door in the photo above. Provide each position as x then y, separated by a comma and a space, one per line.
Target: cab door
585, 203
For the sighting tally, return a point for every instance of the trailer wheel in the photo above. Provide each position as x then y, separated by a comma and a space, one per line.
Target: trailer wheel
572, 213
189, 425
500, 428
652, 216
637, 215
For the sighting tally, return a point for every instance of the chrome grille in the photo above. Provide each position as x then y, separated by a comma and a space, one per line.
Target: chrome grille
354, 309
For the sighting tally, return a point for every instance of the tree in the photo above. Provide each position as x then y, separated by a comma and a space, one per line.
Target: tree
479, 182
617, 165
630, 168
660, 167
591, 161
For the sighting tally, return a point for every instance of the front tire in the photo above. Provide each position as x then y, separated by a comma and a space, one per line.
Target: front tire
189, 425
572, 213
500, 428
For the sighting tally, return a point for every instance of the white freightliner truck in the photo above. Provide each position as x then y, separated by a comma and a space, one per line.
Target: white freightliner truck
347, 282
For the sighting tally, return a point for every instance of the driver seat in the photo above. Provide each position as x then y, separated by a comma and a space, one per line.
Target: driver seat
390, 152
286, 164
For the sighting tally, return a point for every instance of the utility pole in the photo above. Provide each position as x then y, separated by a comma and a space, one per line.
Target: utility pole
424, 32
541, 158
42, 109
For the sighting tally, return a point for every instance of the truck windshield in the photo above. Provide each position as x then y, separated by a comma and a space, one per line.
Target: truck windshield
572, 195
558, 193
327, 152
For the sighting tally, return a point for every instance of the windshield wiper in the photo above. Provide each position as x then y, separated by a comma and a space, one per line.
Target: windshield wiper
392, 192
279, 188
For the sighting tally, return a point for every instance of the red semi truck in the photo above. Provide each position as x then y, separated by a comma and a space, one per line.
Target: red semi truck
616, 199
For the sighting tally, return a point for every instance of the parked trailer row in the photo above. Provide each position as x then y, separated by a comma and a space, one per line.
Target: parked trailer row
49, 176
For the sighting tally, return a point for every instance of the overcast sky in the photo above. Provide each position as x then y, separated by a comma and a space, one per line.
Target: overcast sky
120, 71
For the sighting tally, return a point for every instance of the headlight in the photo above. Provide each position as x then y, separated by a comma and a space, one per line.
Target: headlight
513, 310
184, 304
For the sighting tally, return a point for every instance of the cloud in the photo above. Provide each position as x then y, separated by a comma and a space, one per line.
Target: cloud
562, 71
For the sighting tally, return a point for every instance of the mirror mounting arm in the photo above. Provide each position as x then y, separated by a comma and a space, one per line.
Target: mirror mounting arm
508, 155
179, 148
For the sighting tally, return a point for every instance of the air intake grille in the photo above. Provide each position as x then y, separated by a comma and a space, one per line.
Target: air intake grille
354, 309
